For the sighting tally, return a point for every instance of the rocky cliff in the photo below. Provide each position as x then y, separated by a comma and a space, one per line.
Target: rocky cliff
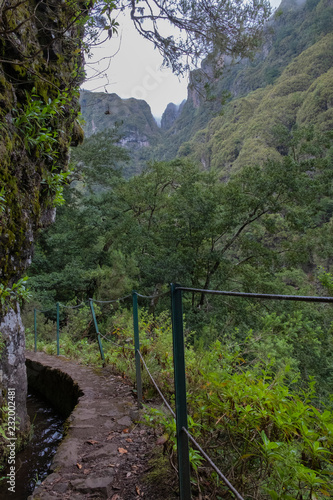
213, 126
253, 128
40, 70
171, 114
131, 118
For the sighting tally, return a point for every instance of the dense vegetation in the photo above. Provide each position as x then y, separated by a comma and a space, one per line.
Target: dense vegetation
246, 132
257, 218
286, 83
265, 230
270, 440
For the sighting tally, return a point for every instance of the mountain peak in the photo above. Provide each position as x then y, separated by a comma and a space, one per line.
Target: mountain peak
170, 114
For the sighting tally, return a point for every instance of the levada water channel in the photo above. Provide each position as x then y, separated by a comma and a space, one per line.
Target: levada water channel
33, 463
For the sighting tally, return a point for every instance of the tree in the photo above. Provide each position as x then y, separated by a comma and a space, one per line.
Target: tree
182, 224
232, 28
177, 223
229, 27
73, 256
99, 161
190, 226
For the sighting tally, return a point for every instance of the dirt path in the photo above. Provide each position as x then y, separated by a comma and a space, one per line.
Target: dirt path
106, 453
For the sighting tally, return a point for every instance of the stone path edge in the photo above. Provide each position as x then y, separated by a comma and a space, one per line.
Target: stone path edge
100, 454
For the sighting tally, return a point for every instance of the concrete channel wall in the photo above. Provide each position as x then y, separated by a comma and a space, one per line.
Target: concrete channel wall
102, 452
54, 385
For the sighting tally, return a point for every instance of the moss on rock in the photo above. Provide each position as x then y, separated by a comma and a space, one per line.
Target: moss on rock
35, 37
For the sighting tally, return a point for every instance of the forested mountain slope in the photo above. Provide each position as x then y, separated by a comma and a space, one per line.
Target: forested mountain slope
289, 78
254, 128
235, 114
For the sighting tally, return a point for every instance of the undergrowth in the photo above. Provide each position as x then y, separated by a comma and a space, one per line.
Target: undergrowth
250, 414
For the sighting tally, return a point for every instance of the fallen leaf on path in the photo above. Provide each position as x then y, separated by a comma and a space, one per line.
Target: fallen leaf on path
92, 441
129, 440
115, 497
111, 465
126, 431
137, 489
161, 440
122, 450
79, 466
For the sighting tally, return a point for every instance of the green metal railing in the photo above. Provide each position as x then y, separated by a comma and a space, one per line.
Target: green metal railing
180, 393
97, 330
58, 305
137, 347
180, 415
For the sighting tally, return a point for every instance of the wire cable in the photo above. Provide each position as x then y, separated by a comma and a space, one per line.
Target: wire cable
115, 343
74, 307
110, 301
156, 386
211, 463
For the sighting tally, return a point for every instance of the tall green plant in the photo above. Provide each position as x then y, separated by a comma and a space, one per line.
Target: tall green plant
18, 292
36, 124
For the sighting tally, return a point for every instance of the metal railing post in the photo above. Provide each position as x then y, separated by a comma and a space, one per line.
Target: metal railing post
180, 394
35, 328
137, 347
97, 331
58, 329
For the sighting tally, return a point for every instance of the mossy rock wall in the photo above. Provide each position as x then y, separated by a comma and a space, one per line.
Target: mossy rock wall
40, 59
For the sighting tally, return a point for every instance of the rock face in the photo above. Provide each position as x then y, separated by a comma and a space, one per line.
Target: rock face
132, 117
40, 70
221, 94
12, 371
170, 115
132, 121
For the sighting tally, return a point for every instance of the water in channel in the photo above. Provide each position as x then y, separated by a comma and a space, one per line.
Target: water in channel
32, 463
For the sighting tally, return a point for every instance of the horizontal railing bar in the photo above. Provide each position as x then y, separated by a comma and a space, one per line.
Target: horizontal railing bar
299, 298
163, 294
211, 463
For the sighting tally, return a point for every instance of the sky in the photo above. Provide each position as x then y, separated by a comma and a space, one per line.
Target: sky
135, 70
